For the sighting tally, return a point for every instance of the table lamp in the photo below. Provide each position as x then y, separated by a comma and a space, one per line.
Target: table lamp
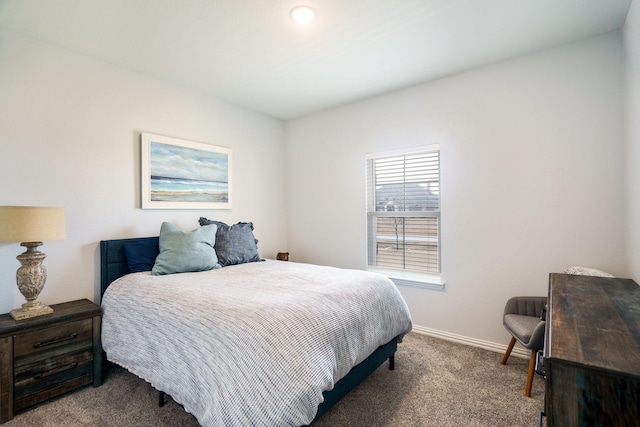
31, 225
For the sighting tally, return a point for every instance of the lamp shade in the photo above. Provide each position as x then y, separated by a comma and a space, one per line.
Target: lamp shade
31, 224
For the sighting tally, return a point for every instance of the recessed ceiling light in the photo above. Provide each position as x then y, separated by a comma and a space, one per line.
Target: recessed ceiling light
303, 14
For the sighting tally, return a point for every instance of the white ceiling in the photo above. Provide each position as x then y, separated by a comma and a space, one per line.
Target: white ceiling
250, 53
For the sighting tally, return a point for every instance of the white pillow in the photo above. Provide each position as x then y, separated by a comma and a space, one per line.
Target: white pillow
585, 271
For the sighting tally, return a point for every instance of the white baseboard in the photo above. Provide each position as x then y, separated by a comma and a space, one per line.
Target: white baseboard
461, 339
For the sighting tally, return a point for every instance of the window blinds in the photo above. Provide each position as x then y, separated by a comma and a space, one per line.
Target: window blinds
403, 212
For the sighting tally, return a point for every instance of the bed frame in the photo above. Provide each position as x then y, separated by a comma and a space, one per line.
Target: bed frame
113, 264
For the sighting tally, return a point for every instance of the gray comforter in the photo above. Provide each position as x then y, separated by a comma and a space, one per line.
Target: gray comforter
253, 344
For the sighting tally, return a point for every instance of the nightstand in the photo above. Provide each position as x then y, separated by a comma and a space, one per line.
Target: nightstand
43, 357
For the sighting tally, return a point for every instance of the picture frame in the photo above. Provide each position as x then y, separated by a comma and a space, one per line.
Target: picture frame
182, 174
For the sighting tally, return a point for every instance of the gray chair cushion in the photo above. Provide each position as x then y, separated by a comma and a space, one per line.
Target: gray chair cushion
521, 327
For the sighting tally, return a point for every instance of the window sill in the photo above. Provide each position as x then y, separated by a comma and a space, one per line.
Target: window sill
423, 281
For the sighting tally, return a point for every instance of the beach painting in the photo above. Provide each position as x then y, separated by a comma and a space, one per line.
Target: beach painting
181, 174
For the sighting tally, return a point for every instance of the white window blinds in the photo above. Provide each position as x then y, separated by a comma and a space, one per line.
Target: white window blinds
403, 211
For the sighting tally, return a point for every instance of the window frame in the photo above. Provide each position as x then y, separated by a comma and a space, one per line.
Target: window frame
398, 276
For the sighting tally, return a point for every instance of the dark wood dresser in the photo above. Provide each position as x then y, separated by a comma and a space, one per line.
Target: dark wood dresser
592, 351
46, 356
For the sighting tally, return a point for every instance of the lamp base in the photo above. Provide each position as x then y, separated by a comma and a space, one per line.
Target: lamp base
31, 309
30, 278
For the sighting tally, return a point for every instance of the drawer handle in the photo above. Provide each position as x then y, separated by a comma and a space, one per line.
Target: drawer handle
55, 371
57, 340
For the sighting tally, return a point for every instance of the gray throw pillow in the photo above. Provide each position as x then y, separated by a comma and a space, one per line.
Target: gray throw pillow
235, 244
182, 252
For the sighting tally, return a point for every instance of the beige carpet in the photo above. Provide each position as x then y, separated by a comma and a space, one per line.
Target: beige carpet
435, 383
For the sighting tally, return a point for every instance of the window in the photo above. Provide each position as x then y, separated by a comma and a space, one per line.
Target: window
403, 214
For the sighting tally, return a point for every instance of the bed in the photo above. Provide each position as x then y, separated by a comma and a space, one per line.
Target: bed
285, 374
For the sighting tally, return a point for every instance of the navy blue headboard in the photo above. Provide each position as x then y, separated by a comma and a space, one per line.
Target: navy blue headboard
113, 261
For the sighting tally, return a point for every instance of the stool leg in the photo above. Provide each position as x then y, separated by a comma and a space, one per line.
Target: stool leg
508, 352
532, 365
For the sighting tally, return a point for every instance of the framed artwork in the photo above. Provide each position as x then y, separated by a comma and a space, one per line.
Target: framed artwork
180, 174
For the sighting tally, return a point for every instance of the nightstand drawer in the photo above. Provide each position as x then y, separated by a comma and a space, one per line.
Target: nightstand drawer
46, 342
51, 372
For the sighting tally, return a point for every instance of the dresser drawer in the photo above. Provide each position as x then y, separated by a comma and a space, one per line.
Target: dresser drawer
51, 372
55, 340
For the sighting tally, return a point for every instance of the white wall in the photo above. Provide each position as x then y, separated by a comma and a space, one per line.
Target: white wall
532, 178
632, 139
69, 136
